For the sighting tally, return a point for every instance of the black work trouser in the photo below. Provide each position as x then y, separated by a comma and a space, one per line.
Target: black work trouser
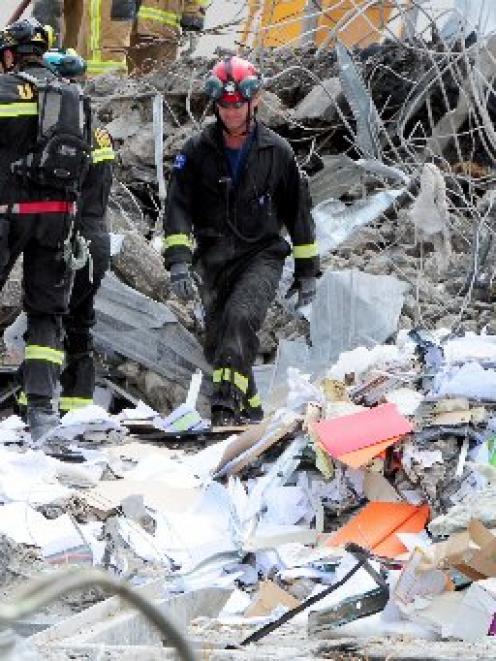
46, 287
236, 299
78, 376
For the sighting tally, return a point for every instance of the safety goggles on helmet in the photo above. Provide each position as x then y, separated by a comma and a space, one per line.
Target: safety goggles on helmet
233, 81
231, 104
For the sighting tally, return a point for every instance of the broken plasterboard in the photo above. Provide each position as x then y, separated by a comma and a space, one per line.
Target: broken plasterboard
109, 494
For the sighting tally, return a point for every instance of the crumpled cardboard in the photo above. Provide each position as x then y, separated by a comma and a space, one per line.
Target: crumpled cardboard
472, 552
269, 597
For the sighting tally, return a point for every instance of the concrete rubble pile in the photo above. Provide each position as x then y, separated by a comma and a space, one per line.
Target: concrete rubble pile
358, 520
383, 466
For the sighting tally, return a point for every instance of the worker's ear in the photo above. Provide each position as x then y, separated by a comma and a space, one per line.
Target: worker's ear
8, 60
256, 100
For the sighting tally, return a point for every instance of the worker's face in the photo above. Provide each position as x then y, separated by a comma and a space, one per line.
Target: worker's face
234, 116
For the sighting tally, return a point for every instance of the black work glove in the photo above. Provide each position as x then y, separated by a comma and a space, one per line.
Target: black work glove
193, 22
181, 281
306, 288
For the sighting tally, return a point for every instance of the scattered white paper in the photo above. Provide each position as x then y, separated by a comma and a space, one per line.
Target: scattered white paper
141, 412
407, 400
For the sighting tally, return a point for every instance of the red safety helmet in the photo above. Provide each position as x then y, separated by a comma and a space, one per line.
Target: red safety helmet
233, 80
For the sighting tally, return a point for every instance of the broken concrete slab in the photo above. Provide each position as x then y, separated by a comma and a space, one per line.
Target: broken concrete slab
272, 110
320, 102
114, 622
338, 176
126, 125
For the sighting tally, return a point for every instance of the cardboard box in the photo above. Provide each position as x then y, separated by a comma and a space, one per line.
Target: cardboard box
472, 552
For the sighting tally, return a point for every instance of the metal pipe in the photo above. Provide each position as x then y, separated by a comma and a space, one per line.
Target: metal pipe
19, 11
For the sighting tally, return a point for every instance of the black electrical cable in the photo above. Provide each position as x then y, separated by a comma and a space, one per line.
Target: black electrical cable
272, 626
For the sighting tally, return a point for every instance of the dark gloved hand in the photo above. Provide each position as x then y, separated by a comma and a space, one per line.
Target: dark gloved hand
181, 281
306, 288
193, 22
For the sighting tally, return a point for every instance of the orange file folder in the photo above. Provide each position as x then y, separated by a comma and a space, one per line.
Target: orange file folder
376, 527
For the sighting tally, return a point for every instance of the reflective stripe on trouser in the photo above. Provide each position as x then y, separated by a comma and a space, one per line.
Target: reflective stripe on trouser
22, 399
236, 303
226, 374
103, 41
253, 399
249, 399
46, 354
43, 357
74, 403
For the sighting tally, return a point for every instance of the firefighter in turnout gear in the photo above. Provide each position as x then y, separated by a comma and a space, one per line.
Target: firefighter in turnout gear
110, 34
35, 220
38, 207
158, 28
100, 30
234, 186
78, 375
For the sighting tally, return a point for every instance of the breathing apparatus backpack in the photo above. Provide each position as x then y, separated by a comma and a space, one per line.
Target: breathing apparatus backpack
62, 154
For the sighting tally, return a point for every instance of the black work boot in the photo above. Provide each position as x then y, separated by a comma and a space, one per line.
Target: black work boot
222, 416
253, 414
41, 420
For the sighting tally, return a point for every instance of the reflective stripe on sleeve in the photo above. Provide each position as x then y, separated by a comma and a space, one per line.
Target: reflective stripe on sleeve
177, 240
306, 251
103, 154
164, 17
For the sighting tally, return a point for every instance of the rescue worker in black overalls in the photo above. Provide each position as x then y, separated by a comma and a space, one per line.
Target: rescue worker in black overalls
36, 216
233, 188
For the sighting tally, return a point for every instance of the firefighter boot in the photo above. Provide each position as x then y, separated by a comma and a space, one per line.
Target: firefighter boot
41, 420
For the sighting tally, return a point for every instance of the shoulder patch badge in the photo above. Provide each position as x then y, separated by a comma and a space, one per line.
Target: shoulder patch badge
102, 138
179, 162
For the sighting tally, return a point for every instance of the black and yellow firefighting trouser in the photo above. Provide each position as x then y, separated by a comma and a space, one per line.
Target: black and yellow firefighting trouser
236, 299
38, 230
78, 376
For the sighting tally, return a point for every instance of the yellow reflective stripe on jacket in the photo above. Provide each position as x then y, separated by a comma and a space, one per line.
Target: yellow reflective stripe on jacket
164, 17
177, 240
95, 64
72, 403
95, 9
103, 154
22, 399
306, 251
18, 109
96, 67
49, 355
255, 401
224, 374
